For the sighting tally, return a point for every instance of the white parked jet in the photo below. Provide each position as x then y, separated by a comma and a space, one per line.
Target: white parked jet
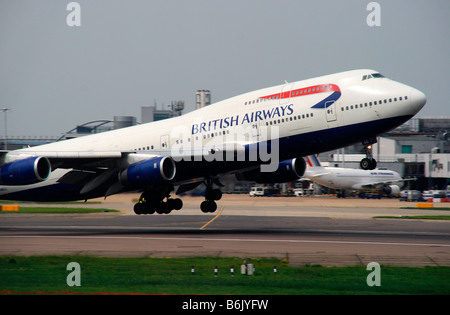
259, 136
343, 179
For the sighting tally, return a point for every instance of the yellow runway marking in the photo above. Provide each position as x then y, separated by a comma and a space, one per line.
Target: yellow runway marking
220, 211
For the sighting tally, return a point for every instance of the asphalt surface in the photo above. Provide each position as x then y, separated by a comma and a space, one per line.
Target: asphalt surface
325, 231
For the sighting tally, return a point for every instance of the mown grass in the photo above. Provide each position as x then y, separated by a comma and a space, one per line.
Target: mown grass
58, 210
48, 274
418, 217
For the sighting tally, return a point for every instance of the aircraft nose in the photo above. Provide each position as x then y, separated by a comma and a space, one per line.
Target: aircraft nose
418, 99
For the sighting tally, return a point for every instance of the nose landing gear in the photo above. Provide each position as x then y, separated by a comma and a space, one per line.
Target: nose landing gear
368, 163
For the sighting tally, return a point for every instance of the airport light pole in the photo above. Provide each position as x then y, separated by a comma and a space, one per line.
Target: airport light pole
5, 110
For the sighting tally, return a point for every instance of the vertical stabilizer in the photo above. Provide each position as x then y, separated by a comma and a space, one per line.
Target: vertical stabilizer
313, 161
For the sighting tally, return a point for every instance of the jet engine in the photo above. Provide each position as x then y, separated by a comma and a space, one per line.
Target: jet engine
287, 171
25, 172
391, 190
152, 171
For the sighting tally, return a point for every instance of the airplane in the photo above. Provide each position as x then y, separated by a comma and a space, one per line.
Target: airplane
260, 136
343, 179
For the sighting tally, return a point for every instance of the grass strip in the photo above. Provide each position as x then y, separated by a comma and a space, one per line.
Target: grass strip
419, 208
59, 210
49, 274
419, 217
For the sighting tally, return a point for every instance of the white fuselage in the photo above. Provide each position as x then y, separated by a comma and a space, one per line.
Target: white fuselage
302, 118
288, 106
352, 179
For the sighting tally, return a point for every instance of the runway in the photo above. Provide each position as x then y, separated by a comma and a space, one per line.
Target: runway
244, 228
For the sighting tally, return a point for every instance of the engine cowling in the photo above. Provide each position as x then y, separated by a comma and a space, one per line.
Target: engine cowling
25, 172
391, 190
287, 171
152, 171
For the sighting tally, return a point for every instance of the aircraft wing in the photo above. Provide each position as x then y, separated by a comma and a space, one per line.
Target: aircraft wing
380, 184
100, 170
319, 174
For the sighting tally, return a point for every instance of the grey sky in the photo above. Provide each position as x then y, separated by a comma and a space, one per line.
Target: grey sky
126, 54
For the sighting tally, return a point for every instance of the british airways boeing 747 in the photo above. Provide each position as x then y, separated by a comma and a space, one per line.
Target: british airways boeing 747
260, 136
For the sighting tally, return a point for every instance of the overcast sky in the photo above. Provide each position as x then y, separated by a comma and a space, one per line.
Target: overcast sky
131, 53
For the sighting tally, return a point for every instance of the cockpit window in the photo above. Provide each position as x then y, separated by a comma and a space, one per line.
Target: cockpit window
373, 75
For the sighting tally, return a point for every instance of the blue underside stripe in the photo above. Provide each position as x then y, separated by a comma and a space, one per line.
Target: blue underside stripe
323, 104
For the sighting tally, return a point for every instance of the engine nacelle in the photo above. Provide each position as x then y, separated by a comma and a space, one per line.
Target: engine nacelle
25, 172
391, 190
152, 171
287, 171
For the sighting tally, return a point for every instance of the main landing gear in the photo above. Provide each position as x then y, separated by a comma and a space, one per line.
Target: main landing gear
151, 202
368, 163
211, 195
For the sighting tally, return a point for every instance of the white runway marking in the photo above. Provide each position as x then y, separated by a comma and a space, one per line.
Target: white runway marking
227, 240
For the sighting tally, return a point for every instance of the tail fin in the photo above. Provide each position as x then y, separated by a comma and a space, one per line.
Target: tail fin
313, 161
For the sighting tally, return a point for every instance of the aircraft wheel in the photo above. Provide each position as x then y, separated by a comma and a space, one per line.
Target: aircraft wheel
213, 194
139, 208
178, 203
208, 206
368, 164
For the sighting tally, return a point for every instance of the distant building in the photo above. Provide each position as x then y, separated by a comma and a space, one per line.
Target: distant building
202, 98
151, 113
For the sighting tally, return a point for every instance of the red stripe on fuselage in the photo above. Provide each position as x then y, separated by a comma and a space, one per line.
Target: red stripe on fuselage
314, 89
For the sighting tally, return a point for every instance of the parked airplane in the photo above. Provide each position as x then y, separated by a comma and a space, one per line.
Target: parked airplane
259, 136
343, 179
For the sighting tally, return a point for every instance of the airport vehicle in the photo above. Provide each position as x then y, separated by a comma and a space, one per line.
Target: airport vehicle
256, 191
366, 181
260, 136
410, 195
